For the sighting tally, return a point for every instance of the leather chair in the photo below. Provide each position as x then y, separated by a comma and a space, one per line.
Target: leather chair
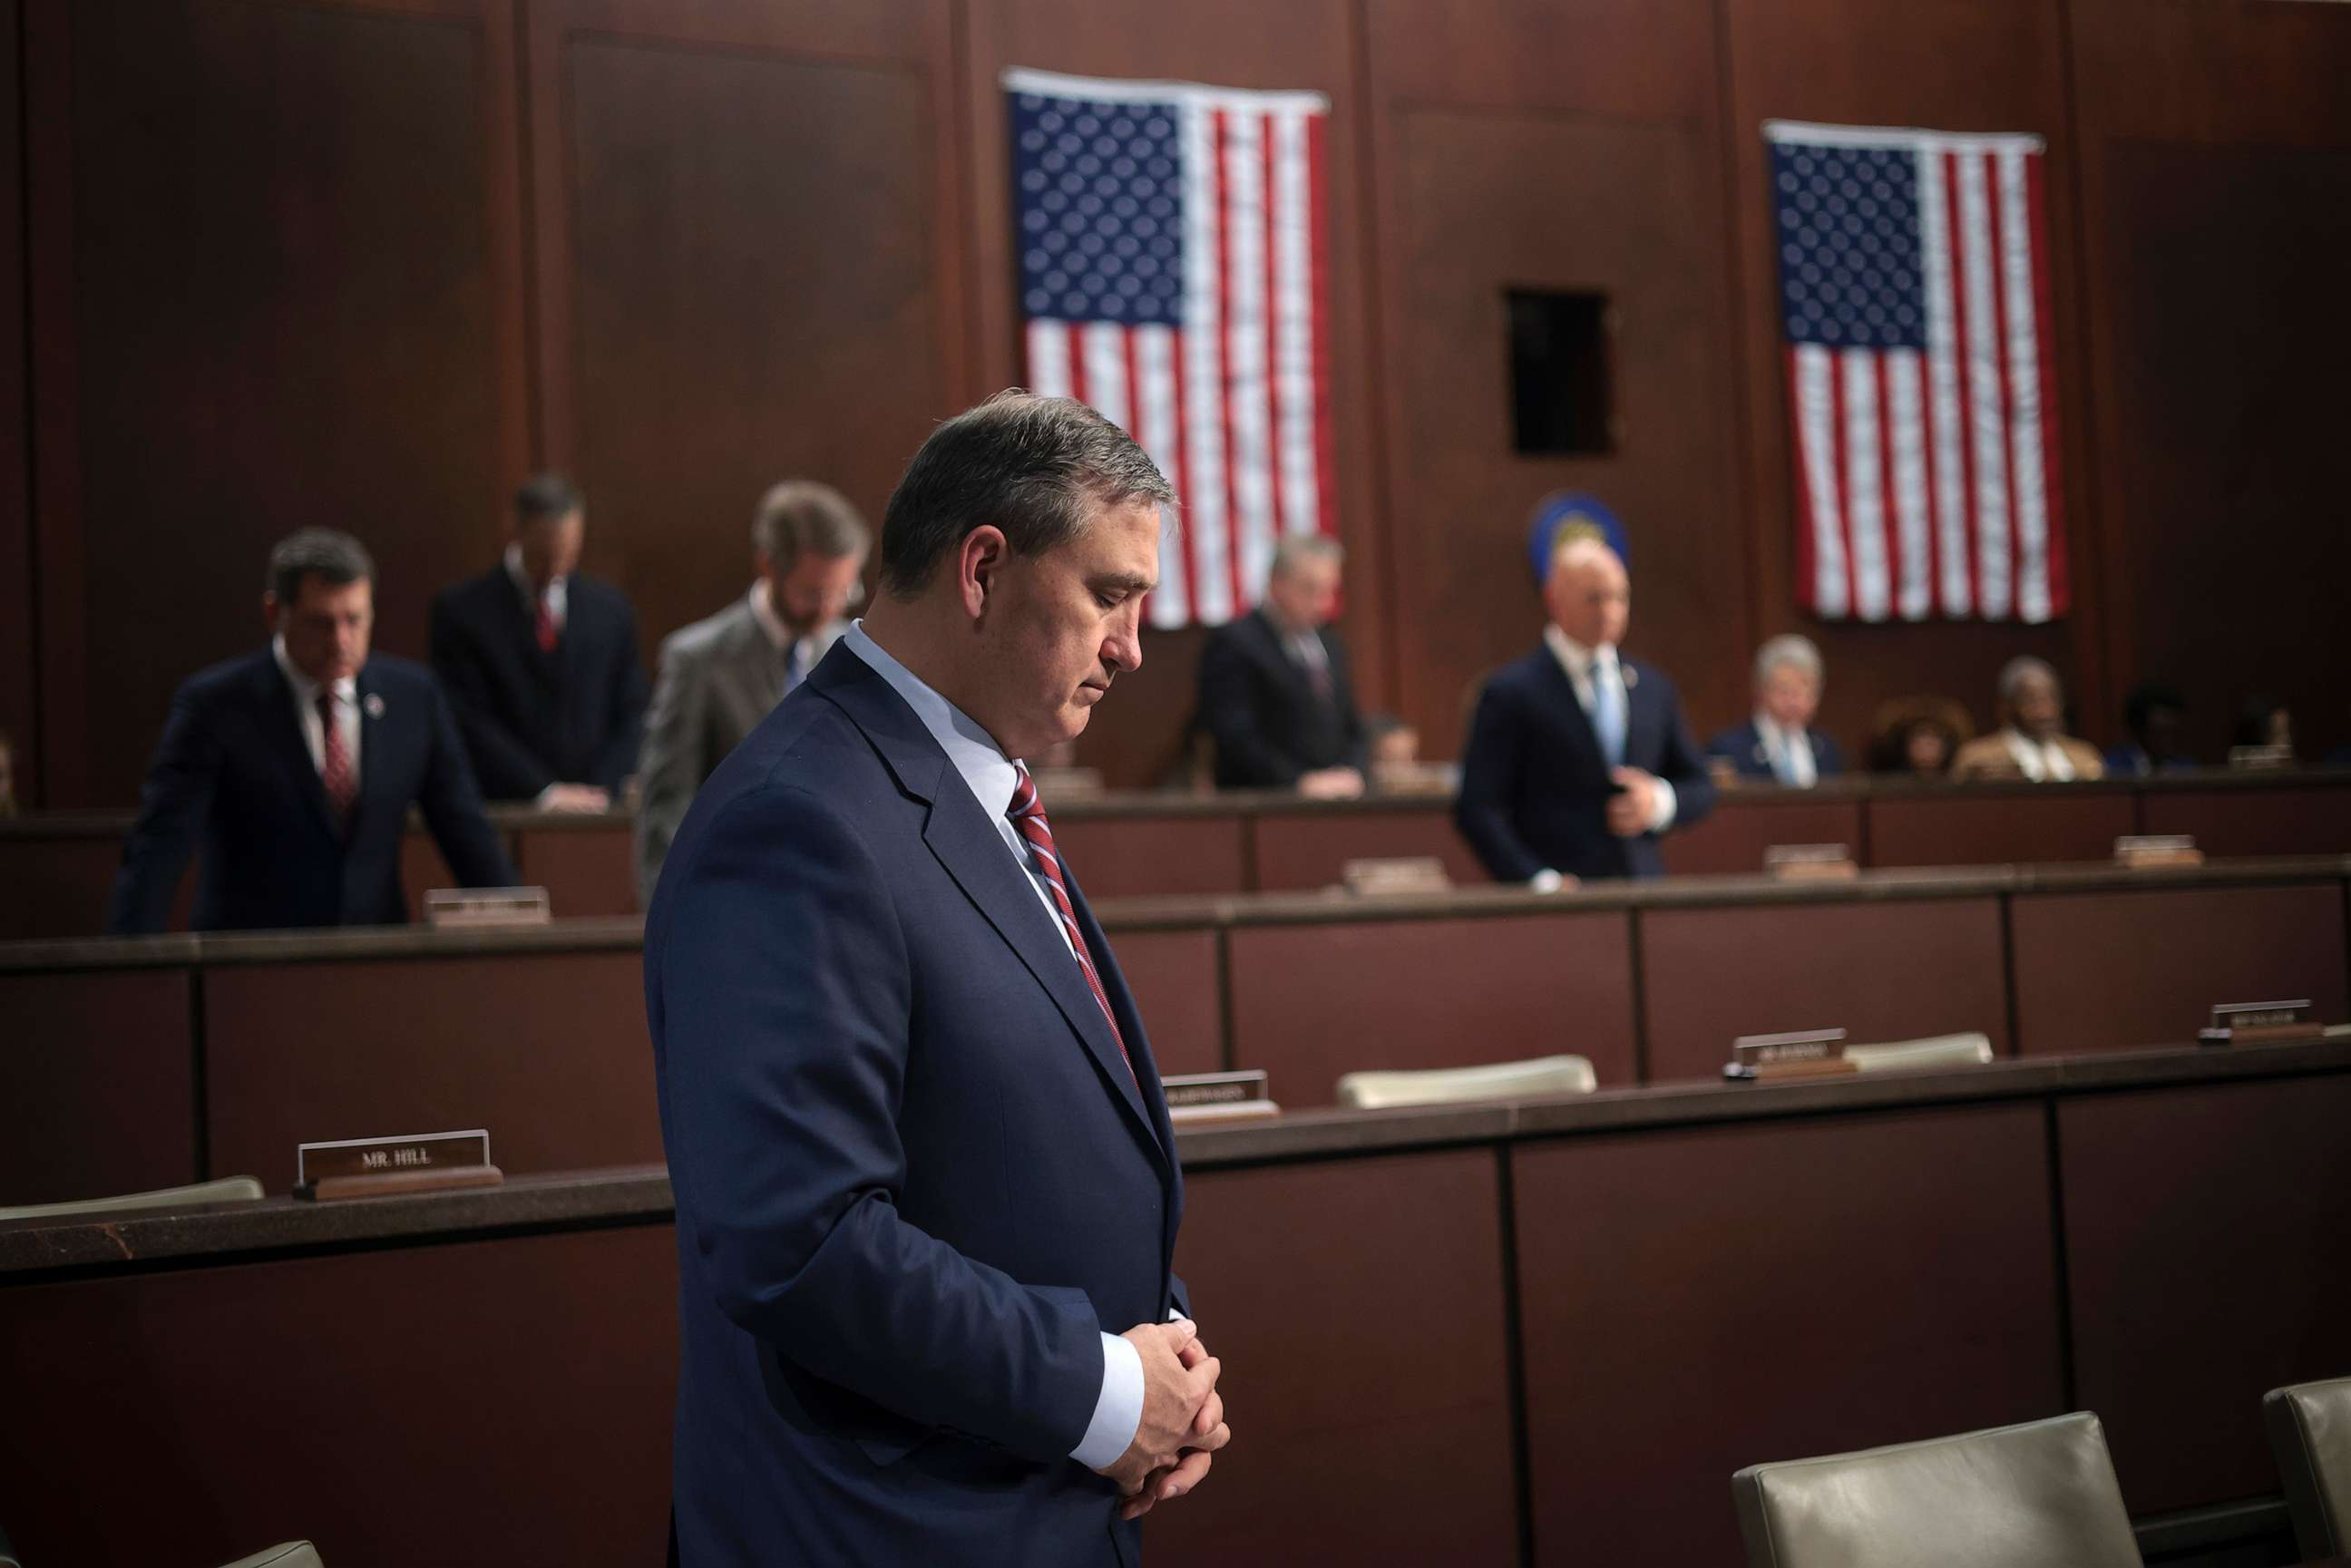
2042, 1495
290, 1554
1449, 1085
228, 1189
2310, 1430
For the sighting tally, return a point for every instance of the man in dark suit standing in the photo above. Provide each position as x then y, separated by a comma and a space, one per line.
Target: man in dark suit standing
540, 663
1579, 761
921, 1156
1778, 743
295, 768
1275, 690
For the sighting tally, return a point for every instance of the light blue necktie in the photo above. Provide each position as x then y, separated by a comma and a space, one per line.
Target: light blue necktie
1608, 712
795, 672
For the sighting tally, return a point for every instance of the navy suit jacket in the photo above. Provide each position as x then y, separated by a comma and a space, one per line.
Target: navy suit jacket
532, 718
1743, 746
1261, 706
233, 773
915, 1180
1534, 785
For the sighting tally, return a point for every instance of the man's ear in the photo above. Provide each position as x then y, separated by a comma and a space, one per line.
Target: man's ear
270, 610
978, 559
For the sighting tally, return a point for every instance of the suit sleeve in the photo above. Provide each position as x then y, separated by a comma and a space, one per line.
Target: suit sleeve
784, 1004
507, 770
173, 805
453, 809
1488, 764
1827, 756
1684, 770
1356, 736
1228, 709
618, 758
669, 763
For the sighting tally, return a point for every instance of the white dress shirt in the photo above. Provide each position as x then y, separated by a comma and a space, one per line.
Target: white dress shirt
306, 712
992, 777
559, 591
1802, 770
2043, 761
1585, 666
800, 653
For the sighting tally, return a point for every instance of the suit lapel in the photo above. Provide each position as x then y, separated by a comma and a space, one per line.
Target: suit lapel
294, 747
1578, 723
1642, 716
376, 775
966, 844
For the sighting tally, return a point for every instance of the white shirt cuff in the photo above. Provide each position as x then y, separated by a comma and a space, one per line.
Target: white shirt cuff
1661, 808
1545, 880
1118, 1413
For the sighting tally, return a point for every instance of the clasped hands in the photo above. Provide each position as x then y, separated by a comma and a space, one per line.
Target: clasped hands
1635, 803
1182, 1422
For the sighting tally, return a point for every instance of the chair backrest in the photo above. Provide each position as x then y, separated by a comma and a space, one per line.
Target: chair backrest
1447, 1085
2015, 1496
2309, 1428
228, 1189
288, 1554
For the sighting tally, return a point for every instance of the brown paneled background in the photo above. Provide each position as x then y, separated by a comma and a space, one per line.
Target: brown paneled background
366, 261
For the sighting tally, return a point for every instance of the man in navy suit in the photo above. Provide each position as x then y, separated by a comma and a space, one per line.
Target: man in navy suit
921, 1158
1578, 761
1778, 744
540, 663
295, 768
1275, 689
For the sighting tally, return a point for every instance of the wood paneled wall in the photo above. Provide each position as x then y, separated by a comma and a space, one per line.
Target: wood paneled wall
367, 261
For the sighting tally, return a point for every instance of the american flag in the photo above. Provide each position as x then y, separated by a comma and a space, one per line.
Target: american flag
1915, 299
1175, 276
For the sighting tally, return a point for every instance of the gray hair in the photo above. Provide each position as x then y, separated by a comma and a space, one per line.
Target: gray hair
1788, 649
1035, 467
1296, 549
2021, 668
333, 557
800, 516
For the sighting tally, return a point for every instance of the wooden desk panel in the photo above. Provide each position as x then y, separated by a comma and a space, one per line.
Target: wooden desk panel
2204, 1228
514, 1395
1172, 975
586, 871
1732, 842
1695, 1300
1126, 857
1998, 829
546, 1051
2247, 822
1888, 970
1311, 1002
1301, 851
98, 1077
2100, 970
1308, 1280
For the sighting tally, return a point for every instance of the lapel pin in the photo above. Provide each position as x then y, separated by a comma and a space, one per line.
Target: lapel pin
1632, 676
373, 706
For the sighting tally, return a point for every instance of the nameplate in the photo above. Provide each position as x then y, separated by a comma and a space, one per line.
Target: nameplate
1055, 784
1809, 863
1217, 1096
421, 1161
1404, 875
2138, 851
486, 908
2256, 1023
1806, 1053
2261, 757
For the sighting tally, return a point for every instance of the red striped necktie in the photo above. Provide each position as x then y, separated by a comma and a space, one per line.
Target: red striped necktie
335, 761
1028, 814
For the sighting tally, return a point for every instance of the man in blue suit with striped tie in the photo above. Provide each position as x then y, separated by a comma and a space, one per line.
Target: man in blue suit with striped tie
1578, 759
927, 1192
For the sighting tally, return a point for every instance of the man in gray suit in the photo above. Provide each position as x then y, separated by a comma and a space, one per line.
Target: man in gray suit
719, 677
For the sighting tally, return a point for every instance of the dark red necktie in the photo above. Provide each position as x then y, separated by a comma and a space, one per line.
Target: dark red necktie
544, 626
335, 761
1028, 816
